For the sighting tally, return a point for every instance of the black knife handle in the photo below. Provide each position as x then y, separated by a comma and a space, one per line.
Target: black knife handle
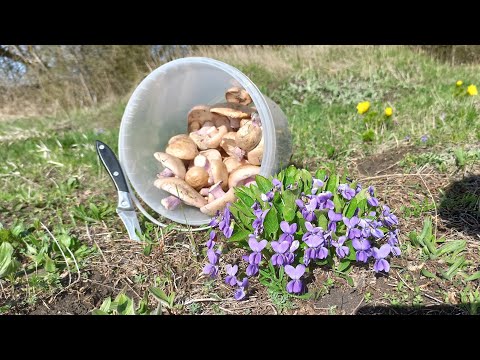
112, 165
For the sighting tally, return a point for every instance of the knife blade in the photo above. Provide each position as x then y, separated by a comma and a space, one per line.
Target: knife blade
125, 208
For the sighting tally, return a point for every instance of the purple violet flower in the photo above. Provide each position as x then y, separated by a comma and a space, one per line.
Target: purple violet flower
424, 138
317, 184
277, 185
324, 201
280, 248
211, 241
256, 256
288, 232
341, 250
231, 278
347, 192
352, 231
334, 218
389, 219
211, 270
358, 188
268, 197
295, 286
393, 242
258, 222
363, 249
241, 291
380, 254
372, 201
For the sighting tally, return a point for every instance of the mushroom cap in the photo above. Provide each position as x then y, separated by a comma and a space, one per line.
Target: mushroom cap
183, 148
199, 113
232, 110
255, 156
238, 95
248, 136
219, 120
172, 163
219, 173
214, 139
242, 173
218, 204
177, 137
197, 177
233, 163
211, 154
182, 190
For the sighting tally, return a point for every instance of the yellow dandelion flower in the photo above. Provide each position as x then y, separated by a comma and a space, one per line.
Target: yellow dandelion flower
363, 107
459, 83
472, 90
388, 111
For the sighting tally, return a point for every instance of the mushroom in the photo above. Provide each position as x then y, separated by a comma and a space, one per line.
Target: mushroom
235, 123
197, 116
238, 95
171, 202
248, 136
177, 137
232, 163
173, 165
229, 144
218, 172
220, 120
255, 156
204, 191
232, 110
182, 148
197, 177
219, 203
182, 190
200, 161
211, 154
208, 137
242, 175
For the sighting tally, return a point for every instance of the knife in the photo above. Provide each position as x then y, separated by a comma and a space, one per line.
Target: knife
125, 208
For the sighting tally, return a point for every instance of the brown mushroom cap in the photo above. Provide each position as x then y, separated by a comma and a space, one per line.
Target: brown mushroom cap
177, 137
200, 114
182, 190
211, 154
232, 163
218, 204
242, 173
219, 172
172, 163
255, 156
197, 177
238, 95
183, 148
220, 120
248, 136
232, 110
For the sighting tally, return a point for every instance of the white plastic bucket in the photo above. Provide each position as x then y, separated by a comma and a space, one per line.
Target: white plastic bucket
157, 110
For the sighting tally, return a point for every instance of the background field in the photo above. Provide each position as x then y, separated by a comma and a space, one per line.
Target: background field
57, 204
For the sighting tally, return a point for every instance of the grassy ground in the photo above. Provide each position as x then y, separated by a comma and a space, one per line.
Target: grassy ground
57, 206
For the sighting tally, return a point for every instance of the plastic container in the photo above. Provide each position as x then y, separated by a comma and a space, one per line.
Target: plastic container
157, 110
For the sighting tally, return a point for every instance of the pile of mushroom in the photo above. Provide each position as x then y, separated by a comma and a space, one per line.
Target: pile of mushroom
223, 149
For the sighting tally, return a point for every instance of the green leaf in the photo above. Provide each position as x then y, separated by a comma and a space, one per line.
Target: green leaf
344, 265
290, 174
239, 234
124, 305
452, 270
351, 208
306, 178
288, 214
320, 174
7, 261
428, 274
322, 221
473, 276
332, 184
338, 203
99, 312
451, 246
362, 205
158, 294
271, 224
263, 184
65, 240
49, 264
106, 305
243, 196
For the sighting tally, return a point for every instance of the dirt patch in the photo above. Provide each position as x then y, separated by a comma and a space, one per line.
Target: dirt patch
340, 301
386, 162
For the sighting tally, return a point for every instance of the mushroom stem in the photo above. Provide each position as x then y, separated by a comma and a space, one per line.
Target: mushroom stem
216, 190
238, 153
171, 202
248, 181
166, 173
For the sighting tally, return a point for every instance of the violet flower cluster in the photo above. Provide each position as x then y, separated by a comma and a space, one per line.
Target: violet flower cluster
367, 233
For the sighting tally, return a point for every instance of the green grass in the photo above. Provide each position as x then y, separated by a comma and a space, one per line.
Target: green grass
50, 173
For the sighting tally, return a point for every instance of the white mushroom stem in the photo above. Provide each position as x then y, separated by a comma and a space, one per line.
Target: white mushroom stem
248, 181
204, 191
216, 190
171, 202
166, 173
238, 153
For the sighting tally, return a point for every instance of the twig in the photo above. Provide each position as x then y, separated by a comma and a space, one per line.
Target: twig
389, 167
275, 312
98, 247
188, 302
229, 311
3, 290
61, 251
356, 308
393, 175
